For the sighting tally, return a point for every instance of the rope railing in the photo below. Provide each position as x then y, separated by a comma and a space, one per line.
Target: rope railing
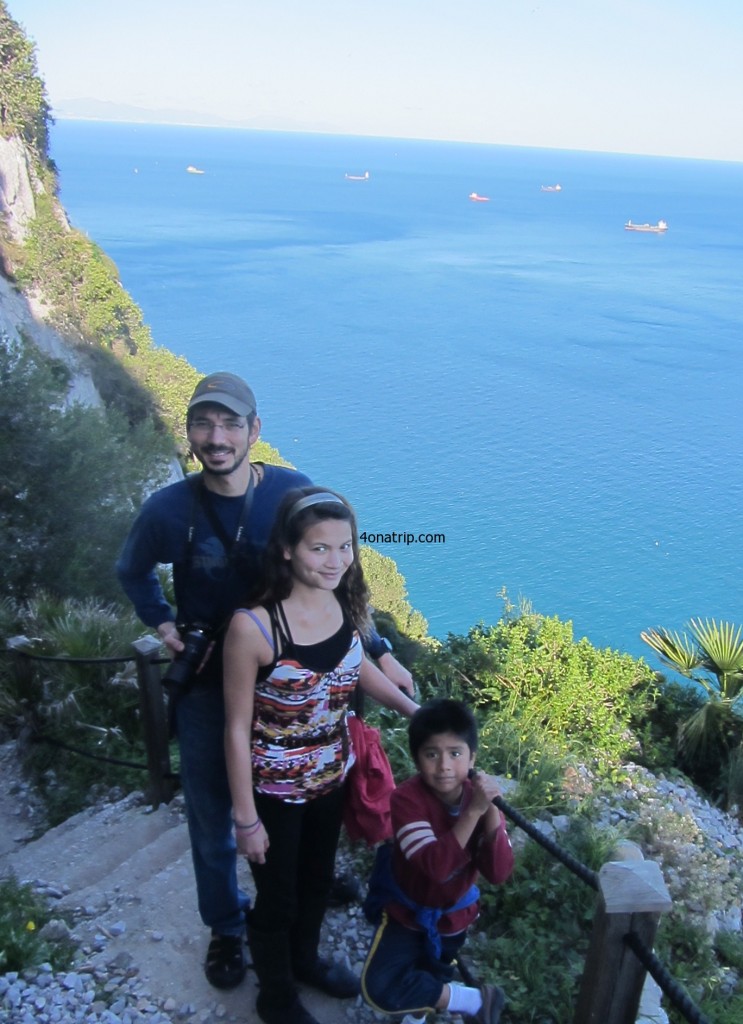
118, 762
670, 987
564, 856
114, 660
74, 661
676, 994
162, 781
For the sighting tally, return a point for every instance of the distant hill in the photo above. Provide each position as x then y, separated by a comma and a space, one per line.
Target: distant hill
88, 109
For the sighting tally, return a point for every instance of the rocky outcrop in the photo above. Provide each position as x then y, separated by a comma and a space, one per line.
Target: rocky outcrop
18, 183
24, 315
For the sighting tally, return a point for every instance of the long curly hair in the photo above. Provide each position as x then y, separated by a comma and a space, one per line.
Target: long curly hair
293, 519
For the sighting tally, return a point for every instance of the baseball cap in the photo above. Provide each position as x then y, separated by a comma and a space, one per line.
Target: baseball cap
225, 389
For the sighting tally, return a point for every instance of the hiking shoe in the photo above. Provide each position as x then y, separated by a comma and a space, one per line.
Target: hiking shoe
225, 961
493, 1001
333, 979
345, 889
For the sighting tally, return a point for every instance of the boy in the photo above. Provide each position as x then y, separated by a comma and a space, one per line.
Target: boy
446, 830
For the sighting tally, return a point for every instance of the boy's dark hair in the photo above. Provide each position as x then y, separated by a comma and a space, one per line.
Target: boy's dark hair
441, 715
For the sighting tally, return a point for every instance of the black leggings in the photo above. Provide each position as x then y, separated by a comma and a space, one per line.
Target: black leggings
292, 886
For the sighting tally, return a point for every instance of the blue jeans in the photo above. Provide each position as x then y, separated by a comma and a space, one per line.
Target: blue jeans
399, 976
199, 722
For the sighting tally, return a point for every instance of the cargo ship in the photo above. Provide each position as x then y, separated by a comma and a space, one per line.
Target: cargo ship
656, 229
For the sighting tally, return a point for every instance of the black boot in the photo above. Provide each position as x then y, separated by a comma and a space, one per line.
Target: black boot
277, 1002
333, 979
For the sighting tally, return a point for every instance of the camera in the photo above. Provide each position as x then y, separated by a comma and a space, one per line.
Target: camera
182, 669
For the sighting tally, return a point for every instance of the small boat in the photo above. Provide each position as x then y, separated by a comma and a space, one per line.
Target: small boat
477, 198
550, 188
358, 177
193, 170
656, 229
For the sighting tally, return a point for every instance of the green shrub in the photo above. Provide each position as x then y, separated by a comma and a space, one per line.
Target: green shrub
24, 110
23, 914
729, 947
558, 694
66, 506
537, 925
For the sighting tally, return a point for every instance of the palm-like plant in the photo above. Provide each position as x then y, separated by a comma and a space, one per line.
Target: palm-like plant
712, 658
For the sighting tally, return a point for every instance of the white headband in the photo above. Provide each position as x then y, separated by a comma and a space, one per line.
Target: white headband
321, 498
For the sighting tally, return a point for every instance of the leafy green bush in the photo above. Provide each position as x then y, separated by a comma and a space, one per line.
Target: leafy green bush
24, 110
23, 914
555, 692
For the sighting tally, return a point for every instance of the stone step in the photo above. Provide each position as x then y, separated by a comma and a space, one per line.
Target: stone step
84, 851
125, 871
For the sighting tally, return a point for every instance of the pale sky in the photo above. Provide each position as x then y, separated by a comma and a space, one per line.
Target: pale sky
636, 76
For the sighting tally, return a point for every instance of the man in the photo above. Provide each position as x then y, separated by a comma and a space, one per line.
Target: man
212, 528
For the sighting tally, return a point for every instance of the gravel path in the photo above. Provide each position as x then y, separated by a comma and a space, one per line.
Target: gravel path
113, 990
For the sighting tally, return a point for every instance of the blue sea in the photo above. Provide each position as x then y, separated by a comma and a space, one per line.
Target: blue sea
558, 397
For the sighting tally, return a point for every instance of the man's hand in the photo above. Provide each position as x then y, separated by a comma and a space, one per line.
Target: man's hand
397, 673
171, 638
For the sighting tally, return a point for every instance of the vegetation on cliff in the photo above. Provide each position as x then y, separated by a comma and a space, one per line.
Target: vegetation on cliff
72, 480
24, 110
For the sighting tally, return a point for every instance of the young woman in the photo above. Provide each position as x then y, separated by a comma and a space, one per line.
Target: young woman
291, 665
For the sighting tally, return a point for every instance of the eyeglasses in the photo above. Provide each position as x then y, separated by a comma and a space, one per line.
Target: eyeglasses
202, 426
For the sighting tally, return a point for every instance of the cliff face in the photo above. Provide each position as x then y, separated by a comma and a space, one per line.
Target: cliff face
23, 314
17, 187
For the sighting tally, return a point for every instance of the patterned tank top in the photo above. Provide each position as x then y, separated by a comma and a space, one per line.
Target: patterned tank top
300, 747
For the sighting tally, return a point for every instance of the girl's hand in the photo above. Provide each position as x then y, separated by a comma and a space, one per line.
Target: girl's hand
253, 846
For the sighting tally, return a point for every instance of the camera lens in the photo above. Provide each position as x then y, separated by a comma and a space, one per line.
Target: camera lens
183, 667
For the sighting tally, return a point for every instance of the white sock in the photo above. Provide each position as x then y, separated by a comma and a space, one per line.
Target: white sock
410, 1019
464, 1000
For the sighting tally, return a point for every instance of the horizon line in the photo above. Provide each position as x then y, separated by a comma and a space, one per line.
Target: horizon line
61, 116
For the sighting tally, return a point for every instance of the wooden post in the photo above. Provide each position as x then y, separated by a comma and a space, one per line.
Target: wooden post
154, 721
632, 896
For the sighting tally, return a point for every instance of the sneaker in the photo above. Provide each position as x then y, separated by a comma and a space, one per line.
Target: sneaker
493, 1001
225, 961
332, 978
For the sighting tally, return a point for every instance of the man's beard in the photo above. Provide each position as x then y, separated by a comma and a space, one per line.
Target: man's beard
222, 470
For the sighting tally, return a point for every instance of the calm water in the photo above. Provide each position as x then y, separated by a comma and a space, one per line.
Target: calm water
558, 397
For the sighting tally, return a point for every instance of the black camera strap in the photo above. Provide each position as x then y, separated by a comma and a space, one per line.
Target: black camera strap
200, 497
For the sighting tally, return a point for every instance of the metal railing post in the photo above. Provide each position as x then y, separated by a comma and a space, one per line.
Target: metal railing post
632, 896
154, 721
